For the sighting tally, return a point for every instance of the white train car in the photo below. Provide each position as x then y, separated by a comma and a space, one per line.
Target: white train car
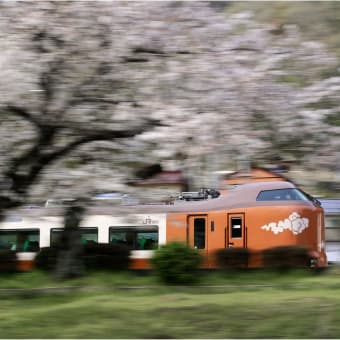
31, 230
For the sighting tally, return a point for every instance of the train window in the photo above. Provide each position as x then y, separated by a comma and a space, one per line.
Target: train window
281, 195
20, 240
88, 234
199, 233
136, 238
236, 227
212, 226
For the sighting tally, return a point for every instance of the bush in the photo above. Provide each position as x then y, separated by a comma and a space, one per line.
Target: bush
94, 255
106, 256
8, 260
46, 259
176, 263
286, 257
232, 258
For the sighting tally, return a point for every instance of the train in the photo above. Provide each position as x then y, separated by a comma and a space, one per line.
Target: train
256, 216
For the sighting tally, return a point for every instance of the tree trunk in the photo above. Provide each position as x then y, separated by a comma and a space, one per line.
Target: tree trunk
70, 248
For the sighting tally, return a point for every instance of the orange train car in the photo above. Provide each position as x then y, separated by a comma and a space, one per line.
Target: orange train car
256, 216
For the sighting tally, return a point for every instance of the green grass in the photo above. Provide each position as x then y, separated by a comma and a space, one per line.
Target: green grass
257, 304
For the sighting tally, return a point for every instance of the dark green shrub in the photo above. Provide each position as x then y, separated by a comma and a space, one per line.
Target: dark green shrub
286, 257
176, 263
232, 258
106, 256
46, 259
8, 260
94, 255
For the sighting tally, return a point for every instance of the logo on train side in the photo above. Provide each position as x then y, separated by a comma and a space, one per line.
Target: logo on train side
137, 219
148, 220
294, 223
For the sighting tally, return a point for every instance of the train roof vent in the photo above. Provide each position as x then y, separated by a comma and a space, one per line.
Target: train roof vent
202, 194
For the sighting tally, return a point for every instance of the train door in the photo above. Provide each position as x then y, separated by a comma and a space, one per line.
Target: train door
235, 232
197, 232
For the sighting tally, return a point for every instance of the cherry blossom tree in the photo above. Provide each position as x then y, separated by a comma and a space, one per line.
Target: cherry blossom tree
90, 91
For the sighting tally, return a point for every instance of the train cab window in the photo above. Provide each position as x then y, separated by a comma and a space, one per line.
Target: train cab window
281, 195
20, 240
136, 238
87, 234
199, 233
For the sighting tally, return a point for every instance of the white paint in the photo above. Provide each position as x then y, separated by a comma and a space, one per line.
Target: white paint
25, 256
141, 254
294, 223
102, 222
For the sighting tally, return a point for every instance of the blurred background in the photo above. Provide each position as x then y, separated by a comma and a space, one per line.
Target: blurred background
151, 98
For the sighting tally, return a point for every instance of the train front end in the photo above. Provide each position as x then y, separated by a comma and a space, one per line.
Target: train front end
290, 217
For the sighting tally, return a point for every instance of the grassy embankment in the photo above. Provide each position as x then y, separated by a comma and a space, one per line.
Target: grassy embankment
243, 305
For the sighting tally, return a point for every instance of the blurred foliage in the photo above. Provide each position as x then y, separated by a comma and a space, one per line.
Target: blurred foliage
96, 256
46, 259
176, 263
175, 77
318, 20
262, 305
148, 171
8, 260
232, 258
106, 256
286, 257
333, 119
324, 103
294, 79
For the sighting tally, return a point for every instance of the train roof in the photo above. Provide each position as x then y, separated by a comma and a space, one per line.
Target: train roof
239, 197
